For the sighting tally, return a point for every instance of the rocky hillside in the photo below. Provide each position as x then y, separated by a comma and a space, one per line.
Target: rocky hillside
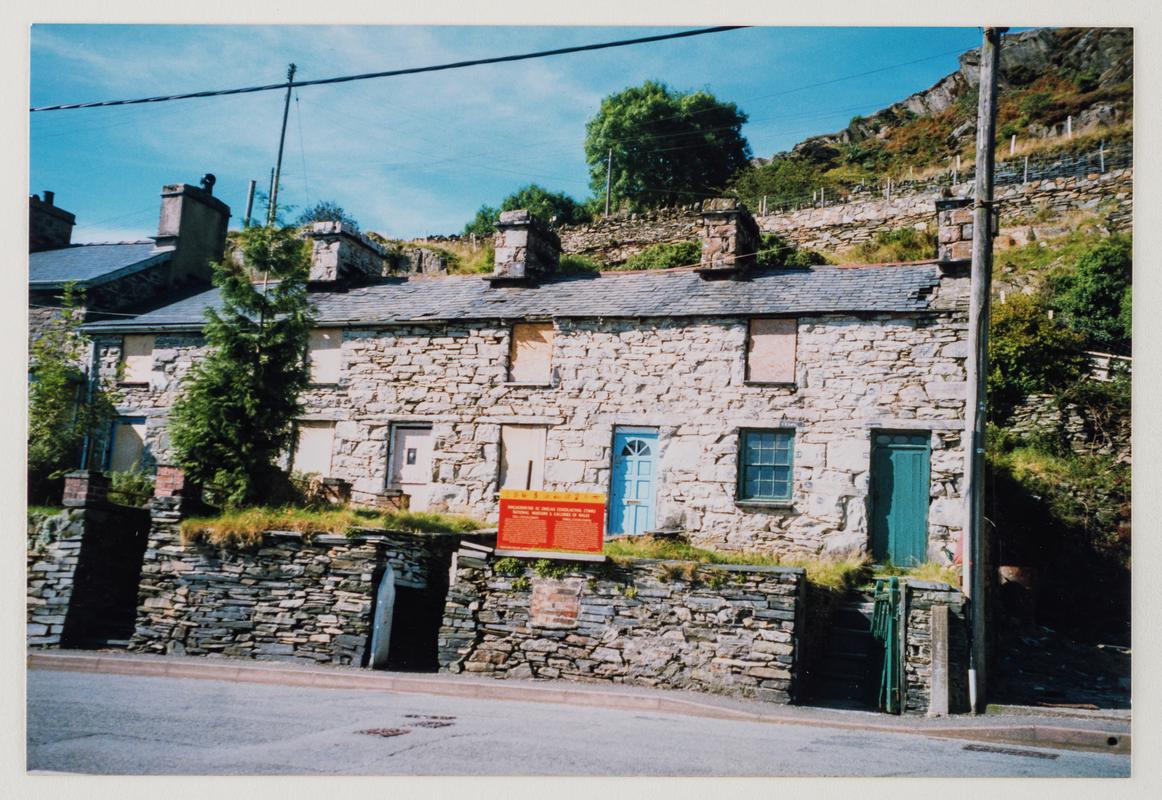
1046, 76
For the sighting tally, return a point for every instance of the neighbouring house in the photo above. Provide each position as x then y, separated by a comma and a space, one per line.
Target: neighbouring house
810, 410
117, 276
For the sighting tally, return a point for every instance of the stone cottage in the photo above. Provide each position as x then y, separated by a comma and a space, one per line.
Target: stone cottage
117, 276
810, 410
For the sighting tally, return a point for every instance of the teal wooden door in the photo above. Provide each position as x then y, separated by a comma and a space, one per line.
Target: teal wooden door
631, 495
900, 467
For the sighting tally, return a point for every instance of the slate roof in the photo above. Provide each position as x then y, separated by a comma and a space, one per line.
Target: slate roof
92, 264
658, 293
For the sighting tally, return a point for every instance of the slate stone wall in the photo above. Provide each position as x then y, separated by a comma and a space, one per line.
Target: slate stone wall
82, 570
288, 598
732, 630
920, 596
686, 377
838, 227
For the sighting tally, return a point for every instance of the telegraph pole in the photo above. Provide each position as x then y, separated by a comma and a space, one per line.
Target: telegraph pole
975, 551
290, 82
608, 176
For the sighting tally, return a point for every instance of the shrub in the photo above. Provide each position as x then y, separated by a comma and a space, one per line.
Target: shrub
1028, 353
578, 265
902, 244
509, 567
133, 488
776, 251
665, 256
1095, 298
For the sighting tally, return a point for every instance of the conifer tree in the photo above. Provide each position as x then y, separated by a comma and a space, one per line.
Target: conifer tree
234, 418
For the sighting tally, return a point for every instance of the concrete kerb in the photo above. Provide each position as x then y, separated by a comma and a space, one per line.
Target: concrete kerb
1019, 732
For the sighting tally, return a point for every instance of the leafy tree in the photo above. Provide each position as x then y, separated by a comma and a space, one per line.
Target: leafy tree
540, 201
234, 417
1029, 353
326, 211
61, 411
668, 147
786, 179
1095, 299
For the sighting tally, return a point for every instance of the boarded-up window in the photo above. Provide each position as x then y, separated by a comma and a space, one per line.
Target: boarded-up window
532, 353
522, 457
770, 354
313, 447
127, 445
323, 352
137, 358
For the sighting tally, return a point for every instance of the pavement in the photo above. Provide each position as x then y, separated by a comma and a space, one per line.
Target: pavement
1100, 731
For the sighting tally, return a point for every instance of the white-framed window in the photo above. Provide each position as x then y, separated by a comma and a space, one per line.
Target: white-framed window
313, 444
770, 351
522, 456
137, 358
531, 353
323, 354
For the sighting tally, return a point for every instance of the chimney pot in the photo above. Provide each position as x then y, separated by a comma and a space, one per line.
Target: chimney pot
49, 197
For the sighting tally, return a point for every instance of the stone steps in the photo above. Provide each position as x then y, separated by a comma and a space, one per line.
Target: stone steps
848, 675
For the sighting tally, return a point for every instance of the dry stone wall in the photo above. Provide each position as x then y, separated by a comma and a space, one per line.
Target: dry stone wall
288, 598
838, 227
724, 629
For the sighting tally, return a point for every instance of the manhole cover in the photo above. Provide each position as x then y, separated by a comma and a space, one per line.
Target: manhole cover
1008, 751
385, 732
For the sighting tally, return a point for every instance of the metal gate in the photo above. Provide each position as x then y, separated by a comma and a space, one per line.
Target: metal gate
886, 629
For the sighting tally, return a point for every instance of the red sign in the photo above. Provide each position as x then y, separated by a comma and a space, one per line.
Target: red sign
551, 524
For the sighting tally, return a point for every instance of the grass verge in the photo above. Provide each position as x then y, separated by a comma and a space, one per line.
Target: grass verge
245, 527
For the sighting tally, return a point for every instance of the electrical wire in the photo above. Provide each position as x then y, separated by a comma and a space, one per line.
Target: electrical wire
397, 72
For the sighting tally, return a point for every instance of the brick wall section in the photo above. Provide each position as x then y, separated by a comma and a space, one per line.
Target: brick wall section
288, 598
732, 630
686, 377
85, 487
920, 596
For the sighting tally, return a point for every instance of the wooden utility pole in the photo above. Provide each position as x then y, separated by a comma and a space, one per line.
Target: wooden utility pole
975, 551
249, 203
608, 177
273, 210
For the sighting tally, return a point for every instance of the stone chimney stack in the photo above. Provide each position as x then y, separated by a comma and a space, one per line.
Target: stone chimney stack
730, 239
193, 222
525, 249
49, 227
954, 223
340, 252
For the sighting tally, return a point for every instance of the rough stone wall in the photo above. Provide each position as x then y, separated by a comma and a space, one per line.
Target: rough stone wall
919, 598
340, 251
839, 227
82, 567
611, 241
685, 377
727, 630
1044, 414
287, 598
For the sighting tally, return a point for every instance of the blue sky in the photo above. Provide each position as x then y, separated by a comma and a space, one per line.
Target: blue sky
419, 154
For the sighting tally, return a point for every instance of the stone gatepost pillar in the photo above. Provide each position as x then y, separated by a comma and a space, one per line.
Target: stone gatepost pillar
174, 498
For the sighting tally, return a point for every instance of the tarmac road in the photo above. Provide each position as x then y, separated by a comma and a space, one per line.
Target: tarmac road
125, 724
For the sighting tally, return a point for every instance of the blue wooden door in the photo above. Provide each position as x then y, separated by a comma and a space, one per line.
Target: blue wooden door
900, 490
631, 495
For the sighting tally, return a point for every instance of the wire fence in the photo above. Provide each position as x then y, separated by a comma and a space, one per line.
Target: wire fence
1016, 170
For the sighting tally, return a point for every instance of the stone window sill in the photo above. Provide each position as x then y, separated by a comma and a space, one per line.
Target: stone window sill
760, 504
773, 384
526, 385
133, 384
324, 385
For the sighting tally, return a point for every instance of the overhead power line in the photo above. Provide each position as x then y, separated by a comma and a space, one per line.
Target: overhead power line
395, 72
